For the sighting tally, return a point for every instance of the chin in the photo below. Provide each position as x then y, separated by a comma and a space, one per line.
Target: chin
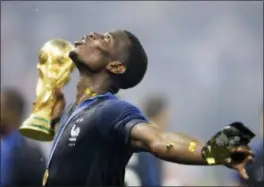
75, 57
79, 63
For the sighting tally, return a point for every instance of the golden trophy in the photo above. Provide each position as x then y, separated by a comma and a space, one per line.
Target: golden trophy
55, 68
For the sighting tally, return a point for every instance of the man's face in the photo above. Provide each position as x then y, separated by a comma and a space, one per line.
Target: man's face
97, 51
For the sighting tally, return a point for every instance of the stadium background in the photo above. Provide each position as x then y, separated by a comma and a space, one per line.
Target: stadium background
207, 57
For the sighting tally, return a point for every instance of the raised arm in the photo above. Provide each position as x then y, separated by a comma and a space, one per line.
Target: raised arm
173, 147
58, 108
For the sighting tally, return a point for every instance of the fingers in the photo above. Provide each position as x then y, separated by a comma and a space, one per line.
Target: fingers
250, 159
59, 93
241, 169
244, 150
58, 108
241, 156
241, 148
60, 100
242, 172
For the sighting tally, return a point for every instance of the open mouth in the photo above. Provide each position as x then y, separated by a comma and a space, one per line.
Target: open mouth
82, 41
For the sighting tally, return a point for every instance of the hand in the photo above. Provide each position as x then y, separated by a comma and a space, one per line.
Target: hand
240, 157
59, 105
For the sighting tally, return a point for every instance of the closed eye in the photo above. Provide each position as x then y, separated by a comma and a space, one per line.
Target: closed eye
107, 37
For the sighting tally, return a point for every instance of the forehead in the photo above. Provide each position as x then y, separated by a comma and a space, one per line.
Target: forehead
120, 36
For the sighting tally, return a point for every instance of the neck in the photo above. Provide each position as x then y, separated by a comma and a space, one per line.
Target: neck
97, 83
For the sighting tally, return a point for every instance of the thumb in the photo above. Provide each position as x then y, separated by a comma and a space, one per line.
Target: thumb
59, 93
243, 172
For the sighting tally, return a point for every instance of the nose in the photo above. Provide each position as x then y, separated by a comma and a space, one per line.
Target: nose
94, 36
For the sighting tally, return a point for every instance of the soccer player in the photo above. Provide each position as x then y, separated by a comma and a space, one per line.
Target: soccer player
22, 161
99, 132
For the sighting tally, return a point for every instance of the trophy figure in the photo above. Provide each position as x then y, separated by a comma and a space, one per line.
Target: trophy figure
55, 68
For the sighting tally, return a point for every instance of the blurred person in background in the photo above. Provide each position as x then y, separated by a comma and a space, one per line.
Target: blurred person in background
147, 167
255, 170
22, 161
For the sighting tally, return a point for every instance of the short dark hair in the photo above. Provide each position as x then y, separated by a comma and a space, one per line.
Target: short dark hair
136, 62
155, 105
15, 100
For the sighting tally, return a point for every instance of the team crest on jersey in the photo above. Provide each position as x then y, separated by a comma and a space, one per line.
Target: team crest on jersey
75, 131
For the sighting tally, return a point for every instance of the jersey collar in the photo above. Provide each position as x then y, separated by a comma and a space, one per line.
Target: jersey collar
108, 94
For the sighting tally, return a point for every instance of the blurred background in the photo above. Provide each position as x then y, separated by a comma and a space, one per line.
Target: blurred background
206, 58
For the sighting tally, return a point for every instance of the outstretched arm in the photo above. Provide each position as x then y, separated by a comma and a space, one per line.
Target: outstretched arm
125, 123
173, 147
182, 149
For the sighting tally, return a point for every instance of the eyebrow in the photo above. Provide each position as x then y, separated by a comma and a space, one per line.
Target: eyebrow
109, 33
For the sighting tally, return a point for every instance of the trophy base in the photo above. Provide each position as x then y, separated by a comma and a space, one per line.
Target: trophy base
37, 128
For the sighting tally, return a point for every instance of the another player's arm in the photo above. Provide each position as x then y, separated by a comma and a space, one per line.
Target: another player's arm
173, 147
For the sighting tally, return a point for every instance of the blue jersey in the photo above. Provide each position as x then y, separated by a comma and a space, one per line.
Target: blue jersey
92, 147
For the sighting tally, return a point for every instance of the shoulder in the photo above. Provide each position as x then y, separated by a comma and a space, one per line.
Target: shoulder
119, 104
116, 107
115, 118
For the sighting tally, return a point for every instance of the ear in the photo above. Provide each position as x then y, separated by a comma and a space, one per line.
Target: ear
116, 67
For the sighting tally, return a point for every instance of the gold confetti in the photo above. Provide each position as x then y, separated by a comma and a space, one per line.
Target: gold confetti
192, 146
45, 177
169, 146
89, 92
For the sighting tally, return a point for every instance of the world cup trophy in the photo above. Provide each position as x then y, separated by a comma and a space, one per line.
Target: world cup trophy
55, 68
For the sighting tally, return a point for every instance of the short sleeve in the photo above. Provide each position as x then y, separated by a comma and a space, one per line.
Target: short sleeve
116, 118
